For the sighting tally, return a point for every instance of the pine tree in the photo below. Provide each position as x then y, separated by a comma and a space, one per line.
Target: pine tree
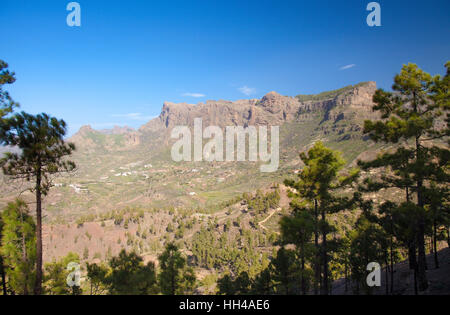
368, 244
129, 275
263, 283
388, 220
285, 270
126, 275
413, 122
56, 274
43, 154
97, 275
7, 104
19, 247
438, 211
318, 182
399, 177
298, 230
175, 278
226, 285
242, 284
343, 257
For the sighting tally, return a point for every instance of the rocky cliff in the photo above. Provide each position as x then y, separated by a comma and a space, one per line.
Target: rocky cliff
272, 109
340, 111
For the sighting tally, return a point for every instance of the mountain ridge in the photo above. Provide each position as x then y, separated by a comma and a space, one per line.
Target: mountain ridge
272, 109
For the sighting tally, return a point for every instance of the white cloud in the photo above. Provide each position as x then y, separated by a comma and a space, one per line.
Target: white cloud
247, 90
134, 116
347, 67
196, 95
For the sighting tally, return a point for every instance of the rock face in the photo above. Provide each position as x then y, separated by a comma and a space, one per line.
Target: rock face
218, 113
272, 109
352, 105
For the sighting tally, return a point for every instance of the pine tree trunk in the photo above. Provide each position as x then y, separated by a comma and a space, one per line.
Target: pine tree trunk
357, 287
392, 265
324, 289
436, 260
422, 260
172, 282
346, 277
421, 264
24, 255
412, 255
448, 236
24, 259
386, 261
316, 244
303, 270
286, 286
416, 291
38, 284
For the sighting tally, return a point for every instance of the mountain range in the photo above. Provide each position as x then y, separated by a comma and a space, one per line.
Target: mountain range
126, 184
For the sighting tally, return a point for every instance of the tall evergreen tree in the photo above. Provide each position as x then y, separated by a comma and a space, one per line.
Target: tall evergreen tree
56, 274
285, 271
97, 275
175, 277
438, 211
19, 247
130, 276
43, 154
412, 118
368, 244
226, 285
388, 219
317, 186
298, 230
263, 283
7, 104
399, 177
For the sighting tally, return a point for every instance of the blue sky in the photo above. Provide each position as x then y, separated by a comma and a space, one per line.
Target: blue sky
128, 57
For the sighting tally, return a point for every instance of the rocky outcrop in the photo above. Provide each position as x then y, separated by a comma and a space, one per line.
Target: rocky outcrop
272, 109
218, 113
357, 103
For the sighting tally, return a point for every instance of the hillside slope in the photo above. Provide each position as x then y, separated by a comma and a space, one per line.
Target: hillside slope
439, 279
